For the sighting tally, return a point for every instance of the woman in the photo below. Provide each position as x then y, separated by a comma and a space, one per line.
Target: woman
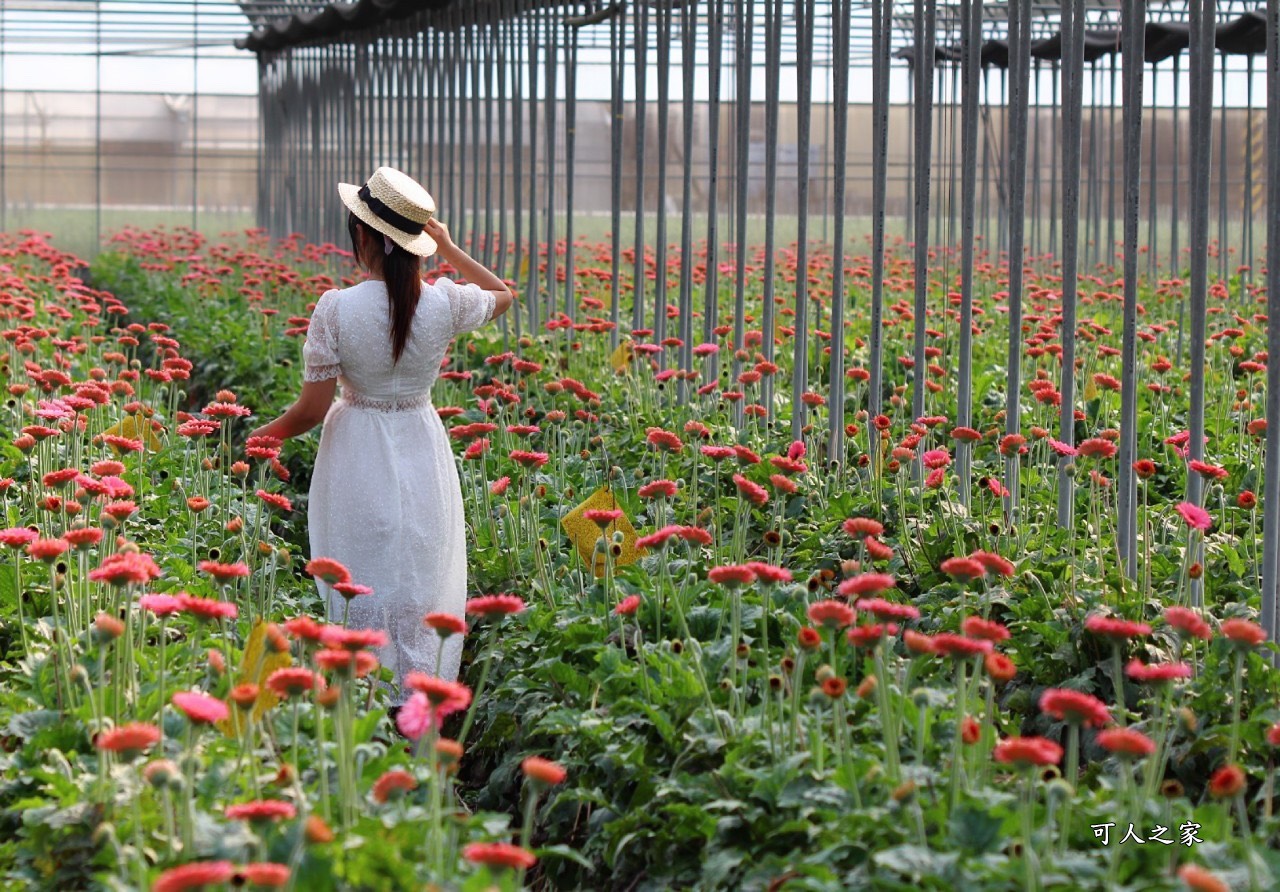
385, 499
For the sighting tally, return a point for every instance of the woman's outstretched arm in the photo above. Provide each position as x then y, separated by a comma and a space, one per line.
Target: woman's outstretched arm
309, 410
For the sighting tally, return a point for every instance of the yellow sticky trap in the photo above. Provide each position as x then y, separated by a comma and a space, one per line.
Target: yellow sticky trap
584, 533
622, 357
256, 668
135, 427
1090, 389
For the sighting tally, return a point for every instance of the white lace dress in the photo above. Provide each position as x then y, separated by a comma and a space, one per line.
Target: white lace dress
385, 499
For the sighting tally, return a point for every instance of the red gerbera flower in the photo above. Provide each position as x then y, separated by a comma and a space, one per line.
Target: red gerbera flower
200, 708
193, 876
290, 681
963, 569
206, 608
1188, 622
866, 584
1156, 673
265, 874
491, 606
1027, 752
977, 627
1114, 628
261, 810
128, 741
327, 570
1127, 743
958, 646
831, 614
1075, 707
446, 624
126, 568
224, 572
731, 575
393, 784
500, 855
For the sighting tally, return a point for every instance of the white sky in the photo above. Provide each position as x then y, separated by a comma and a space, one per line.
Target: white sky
49, 45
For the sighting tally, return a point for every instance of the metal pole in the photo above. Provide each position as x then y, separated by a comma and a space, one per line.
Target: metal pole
881, 27
1271, 472
640, 50
1073, 28
742, 121
971, 45
688, 36
924, 20
841, 14
773, 66
1133, 66
710, 304
804, 121
1020, 56
1201, 64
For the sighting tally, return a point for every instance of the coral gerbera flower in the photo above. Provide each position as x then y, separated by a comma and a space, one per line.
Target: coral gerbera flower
1027, 752
328, 570
193, 876
261, 810
128, 741
490, 606
1074, 707
499, 854
200, 708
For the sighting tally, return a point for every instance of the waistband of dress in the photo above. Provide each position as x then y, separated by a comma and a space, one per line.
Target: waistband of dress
401, 404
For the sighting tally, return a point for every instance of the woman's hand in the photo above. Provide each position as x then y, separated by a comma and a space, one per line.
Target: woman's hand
440, 234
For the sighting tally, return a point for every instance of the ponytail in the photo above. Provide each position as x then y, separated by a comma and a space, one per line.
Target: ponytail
403, 274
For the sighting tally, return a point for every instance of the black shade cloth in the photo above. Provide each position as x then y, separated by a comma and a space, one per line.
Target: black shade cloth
1246, 36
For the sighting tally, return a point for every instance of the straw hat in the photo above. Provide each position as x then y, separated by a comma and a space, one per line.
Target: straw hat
395, 205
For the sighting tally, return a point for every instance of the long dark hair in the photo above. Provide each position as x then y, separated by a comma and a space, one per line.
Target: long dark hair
403, 274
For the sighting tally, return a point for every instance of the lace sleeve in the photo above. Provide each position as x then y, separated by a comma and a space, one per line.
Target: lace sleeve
320, 351
471, 305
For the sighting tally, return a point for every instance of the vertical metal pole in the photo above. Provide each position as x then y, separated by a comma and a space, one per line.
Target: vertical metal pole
881, 28
97, 123
195, 110
1201, 63
804, 91
688, 37
1112, 82
1073, 28
491, 58
924, 21
745, 10
532, 295
1224, 268
660, 239
1153, 187
640, 50
1019, 53
971, 40
570, 140
1271, 472
1175, 217
711, 286
841, 16
773, 66
1133, 64
617, 36
552, 32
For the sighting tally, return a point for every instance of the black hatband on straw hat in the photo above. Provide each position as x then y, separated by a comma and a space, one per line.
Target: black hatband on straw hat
389, 216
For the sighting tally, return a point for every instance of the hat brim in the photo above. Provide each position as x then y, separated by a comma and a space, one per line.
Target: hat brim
423, 245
